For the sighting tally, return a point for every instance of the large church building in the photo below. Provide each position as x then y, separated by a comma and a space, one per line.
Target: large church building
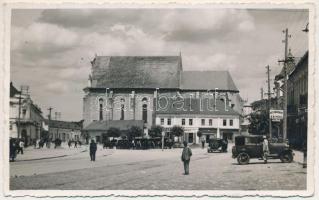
143, 91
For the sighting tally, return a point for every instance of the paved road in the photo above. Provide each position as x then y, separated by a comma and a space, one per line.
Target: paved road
155, 170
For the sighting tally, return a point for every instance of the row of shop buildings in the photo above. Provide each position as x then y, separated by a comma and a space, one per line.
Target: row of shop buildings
297, 101
26, 121
144, 91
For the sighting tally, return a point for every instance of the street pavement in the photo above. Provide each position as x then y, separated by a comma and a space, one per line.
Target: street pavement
154, 170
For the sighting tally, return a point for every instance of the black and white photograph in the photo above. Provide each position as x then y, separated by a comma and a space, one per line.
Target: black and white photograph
160, 98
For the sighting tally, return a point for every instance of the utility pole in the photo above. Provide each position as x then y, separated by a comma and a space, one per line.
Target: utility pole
285, 84
49, 116
50, 109
19, 114
269, 101
24, 89
261, 93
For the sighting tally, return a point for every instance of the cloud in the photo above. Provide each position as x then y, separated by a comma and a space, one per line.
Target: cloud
51, 49
56, 88
203, 25
43, 37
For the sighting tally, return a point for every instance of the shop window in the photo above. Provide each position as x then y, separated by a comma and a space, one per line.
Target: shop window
190, 138
183, 121
190, 122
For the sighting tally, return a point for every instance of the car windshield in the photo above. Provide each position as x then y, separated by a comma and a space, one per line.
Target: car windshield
239, 141
253, 140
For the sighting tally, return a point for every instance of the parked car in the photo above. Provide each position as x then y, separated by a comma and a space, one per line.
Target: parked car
217, 144
247, 147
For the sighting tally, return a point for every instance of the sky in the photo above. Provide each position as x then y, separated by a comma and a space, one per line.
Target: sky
51, 49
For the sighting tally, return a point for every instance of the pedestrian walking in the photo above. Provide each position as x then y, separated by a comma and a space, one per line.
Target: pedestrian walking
75, 144
186, 157
225, 144
203, 142
12, 150
69, 143
20, 147
93, 149
265, 149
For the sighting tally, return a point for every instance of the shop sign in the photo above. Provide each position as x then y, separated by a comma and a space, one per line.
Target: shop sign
276, 115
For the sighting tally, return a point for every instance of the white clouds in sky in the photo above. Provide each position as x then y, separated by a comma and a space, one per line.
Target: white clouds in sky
51, 49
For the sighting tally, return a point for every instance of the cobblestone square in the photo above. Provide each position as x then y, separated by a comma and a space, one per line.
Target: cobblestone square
153, 170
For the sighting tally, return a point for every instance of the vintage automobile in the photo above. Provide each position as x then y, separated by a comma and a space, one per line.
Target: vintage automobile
247, 147
217, 145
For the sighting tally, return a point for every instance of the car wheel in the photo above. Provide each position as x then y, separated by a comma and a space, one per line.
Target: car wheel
243, 159
286, 157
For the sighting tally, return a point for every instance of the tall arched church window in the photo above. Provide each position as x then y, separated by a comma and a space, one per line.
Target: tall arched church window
144, 109
122, 109
101, 109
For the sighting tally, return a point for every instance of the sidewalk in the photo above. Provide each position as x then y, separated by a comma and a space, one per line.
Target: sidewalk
44, 153
298, 158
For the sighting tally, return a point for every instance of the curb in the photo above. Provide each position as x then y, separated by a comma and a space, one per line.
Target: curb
52, 157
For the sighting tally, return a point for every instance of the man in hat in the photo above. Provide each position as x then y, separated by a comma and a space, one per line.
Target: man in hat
265, 148
186, 157
93, 148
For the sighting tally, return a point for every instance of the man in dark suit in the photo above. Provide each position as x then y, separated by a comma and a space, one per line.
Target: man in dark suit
93, 148
186, 157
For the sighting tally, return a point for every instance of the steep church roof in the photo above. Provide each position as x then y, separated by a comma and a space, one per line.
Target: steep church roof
136, 71
207, 80
164, 72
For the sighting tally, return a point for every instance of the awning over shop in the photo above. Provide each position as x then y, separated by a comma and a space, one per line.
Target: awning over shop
206, 131
120, 124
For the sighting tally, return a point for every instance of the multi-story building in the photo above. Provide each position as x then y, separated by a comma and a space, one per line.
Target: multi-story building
25, 116
194, 115
130, 88
297, 102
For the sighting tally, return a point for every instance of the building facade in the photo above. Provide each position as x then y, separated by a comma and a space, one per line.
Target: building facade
25, 117
125, 88
64, 130
297, 102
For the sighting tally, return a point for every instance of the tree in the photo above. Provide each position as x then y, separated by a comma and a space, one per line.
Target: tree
156, 131
177, 131
113, 132
135, 131
258, 123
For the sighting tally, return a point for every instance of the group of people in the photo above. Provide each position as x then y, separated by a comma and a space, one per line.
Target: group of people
16, 147
138, 143
76, 143
39, 143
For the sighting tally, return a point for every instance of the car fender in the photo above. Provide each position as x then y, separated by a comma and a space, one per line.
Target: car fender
287, 151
